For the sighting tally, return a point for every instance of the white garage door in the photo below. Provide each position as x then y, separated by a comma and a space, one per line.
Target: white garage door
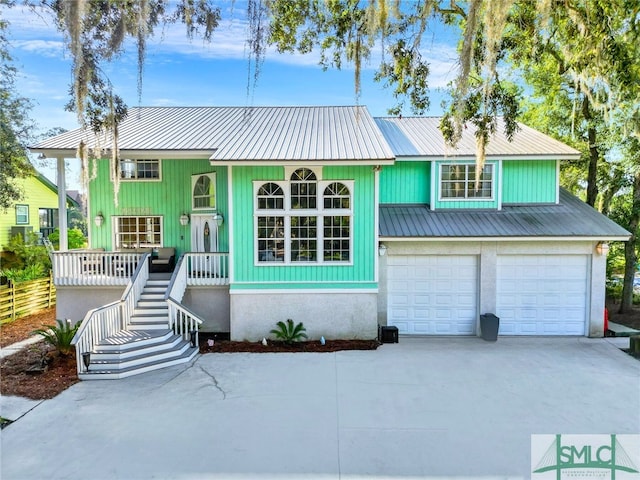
433, 295
542, 294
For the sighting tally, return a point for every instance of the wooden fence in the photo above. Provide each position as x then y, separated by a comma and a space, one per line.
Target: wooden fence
24, 298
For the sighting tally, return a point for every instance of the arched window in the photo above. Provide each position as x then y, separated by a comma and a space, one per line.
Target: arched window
270, 197
337, 195
204, 191
303, 219
337, 228
304, 189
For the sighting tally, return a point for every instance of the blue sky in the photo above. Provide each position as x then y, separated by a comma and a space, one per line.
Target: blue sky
180, 72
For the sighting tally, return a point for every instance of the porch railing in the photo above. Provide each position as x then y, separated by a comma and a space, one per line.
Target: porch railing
211, 268
181, 320
105, 321
94, 268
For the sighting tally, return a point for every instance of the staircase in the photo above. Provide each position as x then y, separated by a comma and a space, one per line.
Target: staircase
147, 344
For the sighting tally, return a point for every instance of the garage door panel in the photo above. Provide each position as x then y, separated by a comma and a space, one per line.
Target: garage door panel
542, 294
439, 296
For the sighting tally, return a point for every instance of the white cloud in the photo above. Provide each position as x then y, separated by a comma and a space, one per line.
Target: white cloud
47, 48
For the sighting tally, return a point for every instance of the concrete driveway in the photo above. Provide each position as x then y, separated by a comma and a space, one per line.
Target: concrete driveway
424, 407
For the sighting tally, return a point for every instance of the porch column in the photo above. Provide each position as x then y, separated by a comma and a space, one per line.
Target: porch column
62, 205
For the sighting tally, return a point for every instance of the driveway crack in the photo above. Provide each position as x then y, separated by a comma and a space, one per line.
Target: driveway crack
215, 382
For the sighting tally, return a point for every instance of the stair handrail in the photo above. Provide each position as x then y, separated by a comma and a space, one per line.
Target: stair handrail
182, 320
134, 289
107, 320
97, 325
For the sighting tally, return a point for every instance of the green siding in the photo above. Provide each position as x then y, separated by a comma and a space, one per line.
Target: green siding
533, 181
466, 204
362, 268
36, 195
406, 182
168, 198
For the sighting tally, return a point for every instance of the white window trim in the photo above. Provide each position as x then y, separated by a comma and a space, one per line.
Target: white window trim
159, 179
467, 199
213, 178
287, 212
116, 232
25, 213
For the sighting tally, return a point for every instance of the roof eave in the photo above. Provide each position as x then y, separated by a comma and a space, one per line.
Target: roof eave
502, 156
536, 238
131, 153
278, 162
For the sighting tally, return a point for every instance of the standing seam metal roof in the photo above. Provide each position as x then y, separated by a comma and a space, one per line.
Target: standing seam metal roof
570, 218
243, 133
421, 137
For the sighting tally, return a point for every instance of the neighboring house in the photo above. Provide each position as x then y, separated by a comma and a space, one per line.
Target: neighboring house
343, 222
36, 212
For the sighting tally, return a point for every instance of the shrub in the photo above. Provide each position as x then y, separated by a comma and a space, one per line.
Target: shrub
27, 252
31, 272
289, 333
59, 336
75, 238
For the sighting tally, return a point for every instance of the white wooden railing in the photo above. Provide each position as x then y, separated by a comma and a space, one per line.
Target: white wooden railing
106, 321
211, 268
181, 320
93, 268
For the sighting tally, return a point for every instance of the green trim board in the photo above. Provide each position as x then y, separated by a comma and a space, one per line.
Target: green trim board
304, 286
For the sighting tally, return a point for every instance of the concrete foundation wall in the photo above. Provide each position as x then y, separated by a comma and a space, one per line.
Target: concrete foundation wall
212, 305
488, 253
332, 315
75, 302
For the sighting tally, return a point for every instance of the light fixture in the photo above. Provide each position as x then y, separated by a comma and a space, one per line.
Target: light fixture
184, 219
86, 359
42, 156
218, 218
382, 250
193, 338
99, 219
602, 248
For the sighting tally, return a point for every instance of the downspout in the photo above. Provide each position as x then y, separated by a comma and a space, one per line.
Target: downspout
62, 205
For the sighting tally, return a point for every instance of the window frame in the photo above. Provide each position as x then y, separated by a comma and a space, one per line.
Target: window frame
287, 213
466, 181
117, 233
25, 213
213, 179
136, 177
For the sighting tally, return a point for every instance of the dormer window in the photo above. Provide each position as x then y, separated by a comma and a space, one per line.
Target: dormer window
460, 182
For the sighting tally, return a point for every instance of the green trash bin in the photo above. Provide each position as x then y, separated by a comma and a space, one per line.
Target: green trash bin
489, 325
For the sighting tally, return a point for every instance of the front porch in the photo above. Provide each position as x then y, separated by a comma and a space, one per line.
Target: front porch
133, 320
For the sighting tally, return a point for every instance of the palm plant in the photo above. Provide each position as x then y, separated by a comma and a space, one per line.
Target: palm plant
289, 333
59, 336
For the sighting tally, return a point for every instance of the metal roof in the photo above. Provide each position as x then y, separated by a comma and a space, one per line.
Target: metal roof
240, 134
421, 137
570, 218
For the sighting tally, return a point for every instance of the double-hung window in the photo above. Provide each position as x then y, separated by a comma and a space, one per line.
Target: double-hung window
303, 219
139, 169
22, 214
461, 181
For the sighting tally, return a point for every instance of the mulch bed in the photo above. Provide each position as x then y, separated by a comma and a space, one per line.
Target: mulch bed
226, 346
21, 328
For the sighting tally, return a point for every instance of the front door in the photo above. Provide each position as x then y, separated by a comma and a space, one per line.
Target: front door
204, 233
